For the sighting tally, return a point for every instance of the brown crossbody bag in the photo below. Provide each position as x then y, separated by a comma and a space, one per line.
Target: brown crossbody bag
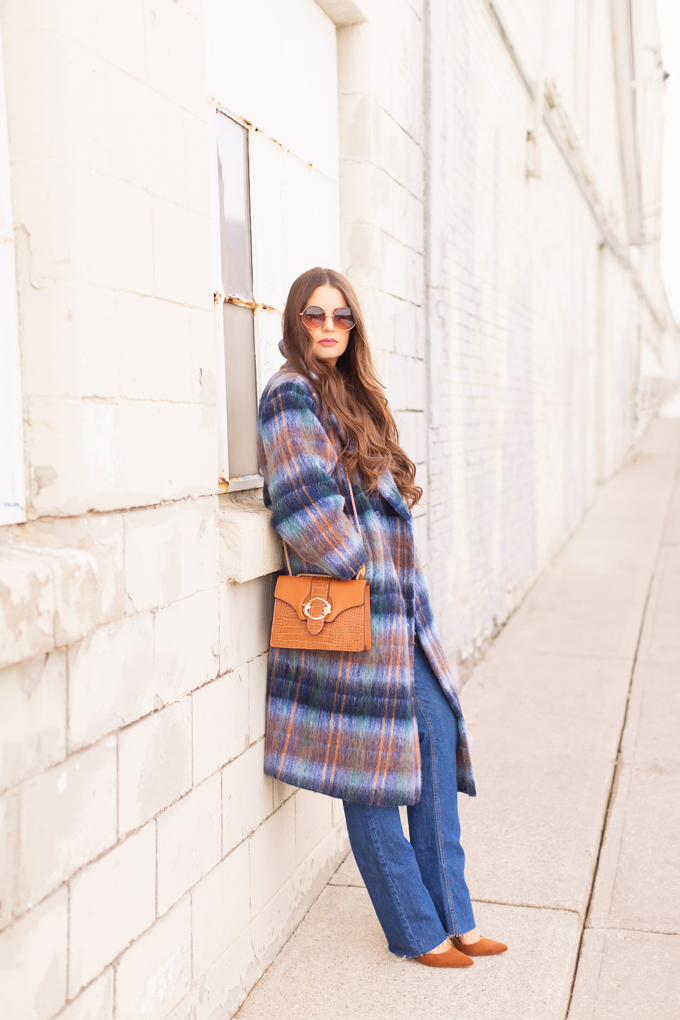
319, 612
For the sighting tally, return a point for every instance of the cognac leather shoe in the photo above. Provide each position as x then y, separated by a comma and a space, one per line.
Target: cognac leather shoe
449, 958
483, 947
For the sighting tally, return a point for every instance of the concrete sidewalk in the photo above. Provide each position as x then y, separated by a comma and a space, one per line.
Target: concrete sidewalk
593, 923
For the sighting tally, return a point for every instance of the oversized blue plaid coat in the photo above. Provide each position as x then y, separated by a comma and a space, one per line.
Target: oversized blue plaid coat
342, 723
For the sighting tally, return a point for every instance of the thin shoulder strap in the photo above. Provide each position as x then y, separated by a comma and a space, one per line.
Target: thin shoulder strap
356, 519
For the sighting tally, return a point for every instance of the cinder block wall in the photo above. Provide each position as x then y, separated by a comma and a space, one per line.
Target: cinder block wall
147, 866
146, 861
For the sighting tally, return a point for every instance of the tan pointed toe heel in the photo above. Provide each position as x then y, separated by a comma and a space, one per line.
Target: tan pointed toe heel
483, 947
449, 958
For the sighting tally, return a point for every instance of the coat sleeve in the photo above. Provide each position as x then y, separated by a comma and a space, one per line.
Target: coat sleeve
298, 459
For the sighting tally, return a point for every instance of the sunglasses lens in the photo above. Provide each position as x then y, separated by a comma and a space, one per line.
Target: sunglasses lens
313, 317
343, 318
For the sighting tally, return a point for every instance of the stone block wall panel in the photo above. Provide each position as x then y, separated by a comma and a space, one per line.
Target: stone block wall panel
154, 974
221, 718
245, 621
46, 599
272, 856
102, 922
70, 808
95, 1002
186, 641
154, 764
33, 960
220, 908
171, 553
32, 717
189, 841
101, 536
247, 796
111, 679
9, 857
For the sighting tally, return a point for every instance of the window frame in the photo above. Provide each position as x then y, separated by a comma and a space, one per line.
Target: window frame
226, 482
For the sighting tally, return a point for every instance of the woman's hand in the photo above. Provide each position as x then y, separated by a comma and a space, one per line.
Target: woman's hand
361, 576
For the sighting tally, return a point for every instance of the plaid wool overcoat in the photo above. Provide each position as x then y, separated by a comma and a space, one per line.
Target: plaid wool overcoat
342, 723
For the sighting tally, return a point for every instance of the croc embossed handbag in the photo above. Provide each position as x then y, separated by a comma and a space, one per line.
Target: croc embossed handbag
316, 611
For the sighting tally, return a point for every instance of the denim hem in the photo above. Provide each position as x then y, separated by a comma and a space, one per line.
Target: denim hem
388, 877
446, 878
417, 885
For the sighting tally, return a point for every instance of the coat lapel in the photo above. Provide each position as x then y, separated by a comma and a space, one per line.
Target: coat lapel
386, 485
389, 491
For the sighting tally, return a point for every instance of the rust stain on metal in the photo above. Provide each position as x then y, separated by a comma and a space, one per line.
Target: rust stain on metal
231, 299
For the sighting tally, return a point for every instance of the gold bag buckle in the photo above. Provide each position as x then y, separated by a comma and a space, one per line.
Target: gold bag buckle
306, 607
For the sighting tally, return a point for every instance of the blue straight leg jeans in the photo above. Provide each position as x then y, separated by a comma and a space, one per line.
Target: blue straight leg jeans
418, 888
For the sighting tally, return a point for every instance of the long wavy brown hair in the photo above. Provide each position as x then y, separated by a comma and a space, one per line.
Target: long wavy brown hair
351, 391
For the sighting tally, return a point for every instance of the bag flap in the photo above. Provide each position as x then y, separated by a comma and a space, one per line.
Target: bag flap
341, 595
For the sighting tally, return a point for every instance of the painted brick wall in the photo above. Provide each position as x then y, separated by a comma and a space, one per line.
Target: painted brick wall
509, 338
147, 864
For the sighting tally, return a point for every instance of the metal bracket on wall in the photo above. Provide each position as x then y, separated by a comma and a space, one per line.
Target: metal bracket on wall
558, 124
534, 158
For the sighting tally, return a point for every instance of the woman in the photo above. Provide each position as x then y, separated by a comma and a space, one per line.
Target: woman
383, 727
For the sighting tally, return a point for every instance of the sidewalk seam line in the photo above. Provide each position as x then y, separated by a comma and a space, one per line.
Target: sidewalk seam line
617, 761
636, 931
528, 906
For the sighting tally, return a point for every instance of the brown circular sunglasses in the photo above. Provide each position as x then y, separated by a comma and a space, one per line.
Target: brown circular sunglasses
315, 317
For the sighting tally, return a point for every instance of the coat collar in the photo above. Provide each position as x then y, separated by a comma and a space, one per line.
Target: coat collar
386, 485
389, 491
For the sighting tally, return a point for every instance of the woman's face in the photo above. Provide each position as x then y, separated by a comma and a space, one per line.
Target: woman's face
328, 342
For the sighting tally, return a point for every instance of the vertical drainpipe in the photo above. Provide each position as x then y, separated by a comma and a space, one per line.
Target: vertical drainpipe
601, 396
634, 391
621, 15
636, 136
427, 191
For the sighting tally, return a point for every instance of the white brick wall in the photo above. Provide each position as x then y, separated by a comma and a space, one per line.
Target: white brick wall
111, 163
247, 797
245, 621
155, 973
171, 553
136, 601
154, 764
221, 717
95, 1002
220, 908
496, 339
111, 679
102, 922
33, 960
186, 645
189, 841
101, 537
272, 856
70, 808
32, 717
